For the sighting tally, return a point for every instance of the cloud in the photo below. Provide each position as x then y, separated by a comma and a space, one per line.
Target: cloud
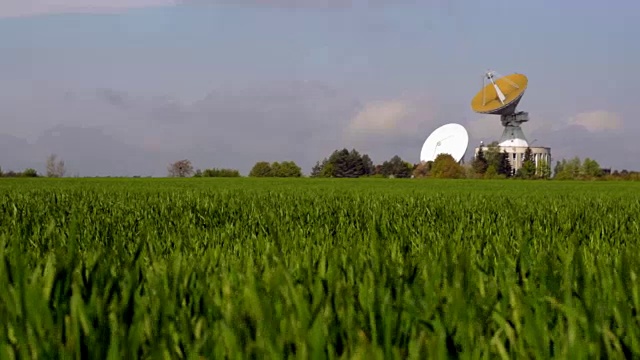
404, 116
379, 117
396, 126
22, 8
610, 149
25, 8
230, 127
597, 121
113, 132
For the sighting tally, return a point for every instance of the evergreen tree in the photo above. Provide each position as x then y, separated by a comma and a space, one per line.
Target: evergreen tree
367, 165
504, 165
396, 167
392, 166
480, 163
354, 165
528, 169
344, 164
317, 169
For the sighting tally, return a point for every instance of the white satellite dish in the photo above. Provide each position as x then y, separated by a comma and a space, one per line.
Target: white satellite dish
449, 139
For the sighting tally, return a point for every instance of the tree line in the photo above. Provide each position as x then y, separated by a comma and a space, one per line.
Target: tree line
55, 168
344, 163
489, 164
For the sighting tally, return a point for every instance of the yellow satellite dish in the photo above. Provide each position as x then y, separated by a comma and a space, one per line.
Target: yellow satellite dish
501, 96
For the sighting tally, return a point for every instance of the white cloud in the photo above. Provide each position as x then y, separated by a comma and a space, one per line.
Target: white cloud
397, 117
396, 126
22, 8
381, 116
596, 121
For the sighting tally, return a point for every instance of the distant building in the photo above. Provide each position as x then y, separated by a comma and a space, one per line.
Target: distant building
516, 154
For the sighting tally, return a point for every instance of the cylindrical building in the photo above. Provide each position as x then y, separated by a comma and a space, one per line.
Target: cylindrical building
516, 155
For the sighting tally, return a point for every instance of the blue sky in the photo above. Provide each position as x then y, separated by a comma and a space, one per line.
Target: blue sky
229, 84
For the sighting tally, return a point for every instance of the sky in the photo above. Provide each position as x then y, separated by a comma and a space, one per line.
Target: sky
126, 87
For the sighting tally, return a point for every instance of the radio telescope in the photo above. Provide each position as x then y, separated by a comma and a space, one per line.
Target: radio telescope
500, 97
449, 139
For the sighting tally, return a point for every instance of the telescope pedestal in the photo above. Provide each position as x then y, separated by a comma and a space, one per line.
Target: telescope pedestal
513, 134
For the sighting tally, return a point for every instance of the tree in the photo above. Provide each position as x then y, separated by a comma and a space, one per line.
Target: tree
260, 169
568, 170
528, 169
504, 165
344, 164
324, 169
558, 168
446, 167
468, 171
480, 163
285, 169
590, 169
340, 161
181, 168
543, 170
349, 164
215, 172
276, 169
327, 170
491, 172
423, 169
493, 155
396, 167
29, 173
55, 169
367, 165
316, 171
288, 169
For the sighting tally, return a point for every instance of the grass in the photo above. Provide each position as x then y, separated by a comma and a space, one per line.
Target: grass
319, 269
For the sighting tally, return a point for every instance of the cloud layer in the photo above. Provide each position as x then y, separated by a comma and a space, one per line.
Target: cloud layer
110, 132
597, 121
227, 128
23, 8
20, 8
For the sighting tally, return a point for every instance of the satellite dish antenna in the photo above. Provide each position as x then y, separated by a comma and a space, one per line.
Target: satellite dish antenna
451, 139
501, 97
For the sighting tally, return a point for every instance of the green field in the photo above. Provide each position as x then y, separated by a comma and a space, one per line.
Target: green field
318, 269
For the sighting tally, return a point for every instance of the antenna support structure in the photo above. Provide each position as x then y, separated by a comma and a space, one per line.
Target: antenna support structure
512, 135
500, 95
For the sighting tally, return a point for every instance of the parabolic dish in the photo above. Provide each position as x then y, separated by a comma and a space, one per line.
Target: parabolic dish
449, 139
487, 101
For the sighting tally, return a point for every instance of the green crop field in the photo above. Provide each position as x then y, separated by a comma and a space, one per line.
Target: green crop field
318, 269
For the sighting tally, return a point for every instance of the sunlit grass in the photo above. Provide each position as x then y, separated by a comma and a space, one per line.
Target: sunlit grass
305, 268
